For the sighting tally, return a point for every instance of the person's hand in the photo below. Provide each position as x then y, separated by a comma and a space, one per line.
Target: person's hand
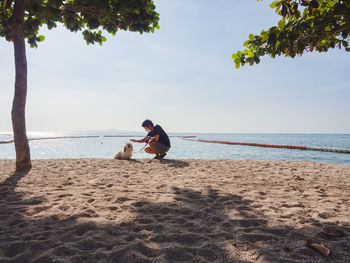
133, 140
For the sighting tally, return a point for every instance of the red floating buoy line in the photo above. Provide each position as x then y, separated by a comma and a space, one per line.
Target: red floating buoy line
3, 142
294, 147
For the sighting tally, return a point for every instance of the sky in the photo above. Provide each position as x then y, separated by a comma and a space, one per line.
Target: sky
181, 77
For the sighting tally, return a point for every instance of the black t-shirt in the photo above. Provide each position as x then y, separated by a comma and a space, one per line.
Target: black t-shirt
163, 137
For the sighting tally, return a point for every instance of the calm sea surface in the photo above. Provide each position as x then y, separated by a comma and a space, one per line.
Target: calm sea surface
105, 147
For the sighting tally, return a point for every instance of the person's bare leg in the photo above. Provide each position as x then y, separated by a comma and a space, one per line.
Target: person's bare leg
153, 147
149, 150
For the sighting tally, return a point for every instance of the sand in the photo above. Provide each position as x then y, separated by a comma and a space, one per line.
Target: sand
101, 210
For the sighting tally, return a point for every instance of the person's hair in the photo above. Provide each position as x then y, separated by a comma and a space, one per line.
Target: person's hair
147, 123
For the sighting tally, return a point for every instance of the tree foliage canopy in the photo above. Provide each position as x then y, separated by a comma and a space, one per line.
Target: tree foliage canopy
89, 16
306, 25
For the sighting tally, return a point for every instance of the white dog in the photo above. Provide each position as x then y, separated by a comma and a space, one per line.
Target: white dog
126, 153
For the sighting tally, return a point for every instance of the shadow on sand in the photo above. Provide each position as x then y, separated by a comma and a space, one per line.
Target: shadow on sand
195, 227
174, 163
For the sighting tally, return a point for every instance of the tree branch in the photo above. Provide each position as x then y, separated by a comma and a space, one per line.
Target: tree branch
4, 4
91, 10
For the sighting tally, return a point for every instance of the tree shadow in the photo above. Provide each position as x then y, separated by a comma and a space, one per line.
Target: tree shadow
10, 183
196, 226
12, 198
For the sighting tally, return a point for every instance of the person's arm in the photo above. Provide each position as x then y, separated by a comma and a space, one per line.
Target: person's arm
154, 139
146, 139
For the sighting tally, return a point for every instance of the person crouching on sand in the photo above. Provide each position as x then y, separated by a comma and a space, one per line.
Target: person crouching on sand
159, 143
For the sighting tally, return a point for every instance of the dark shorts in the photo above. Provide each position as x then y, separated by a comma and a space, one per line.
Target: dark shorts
161, 147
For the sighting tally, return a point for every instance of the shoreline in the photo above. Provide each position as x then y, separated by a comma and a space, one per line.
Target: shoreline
172, 210
179, 159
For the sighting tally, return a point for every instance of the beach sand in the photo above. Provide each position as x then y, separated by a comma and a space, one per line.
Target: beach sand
101, 210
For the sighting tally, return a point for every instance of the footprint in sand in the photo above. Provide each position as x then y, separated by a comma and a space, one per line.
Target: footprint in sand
63, 251
88, 194
64, 195
122, 200
247, 222
326, 215
145, 221
63, 207
113, 208
138, 204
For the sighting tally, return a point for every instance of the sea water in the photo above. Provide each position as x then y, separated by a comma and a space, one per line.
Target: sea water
105, 147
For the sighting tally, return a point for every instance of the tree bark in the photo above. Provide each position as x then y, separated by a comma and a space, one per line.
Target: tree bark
23, 160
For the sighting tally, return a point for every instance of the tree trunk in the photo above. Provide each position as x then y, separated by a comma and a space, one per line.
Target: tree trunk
23, 161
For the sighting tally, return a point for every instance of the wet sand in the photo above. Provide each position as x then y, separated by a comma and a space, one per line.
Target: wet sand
101, 210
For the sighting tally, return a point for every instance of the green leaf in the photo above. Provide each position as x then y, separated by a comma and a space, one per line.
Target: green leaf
248, 53
282, 23
251, 37
274, 4
42, 38
246, 43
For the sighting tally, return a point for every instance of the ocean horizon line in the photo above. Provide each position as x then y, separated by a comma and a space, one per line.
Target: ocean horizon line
109, 131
